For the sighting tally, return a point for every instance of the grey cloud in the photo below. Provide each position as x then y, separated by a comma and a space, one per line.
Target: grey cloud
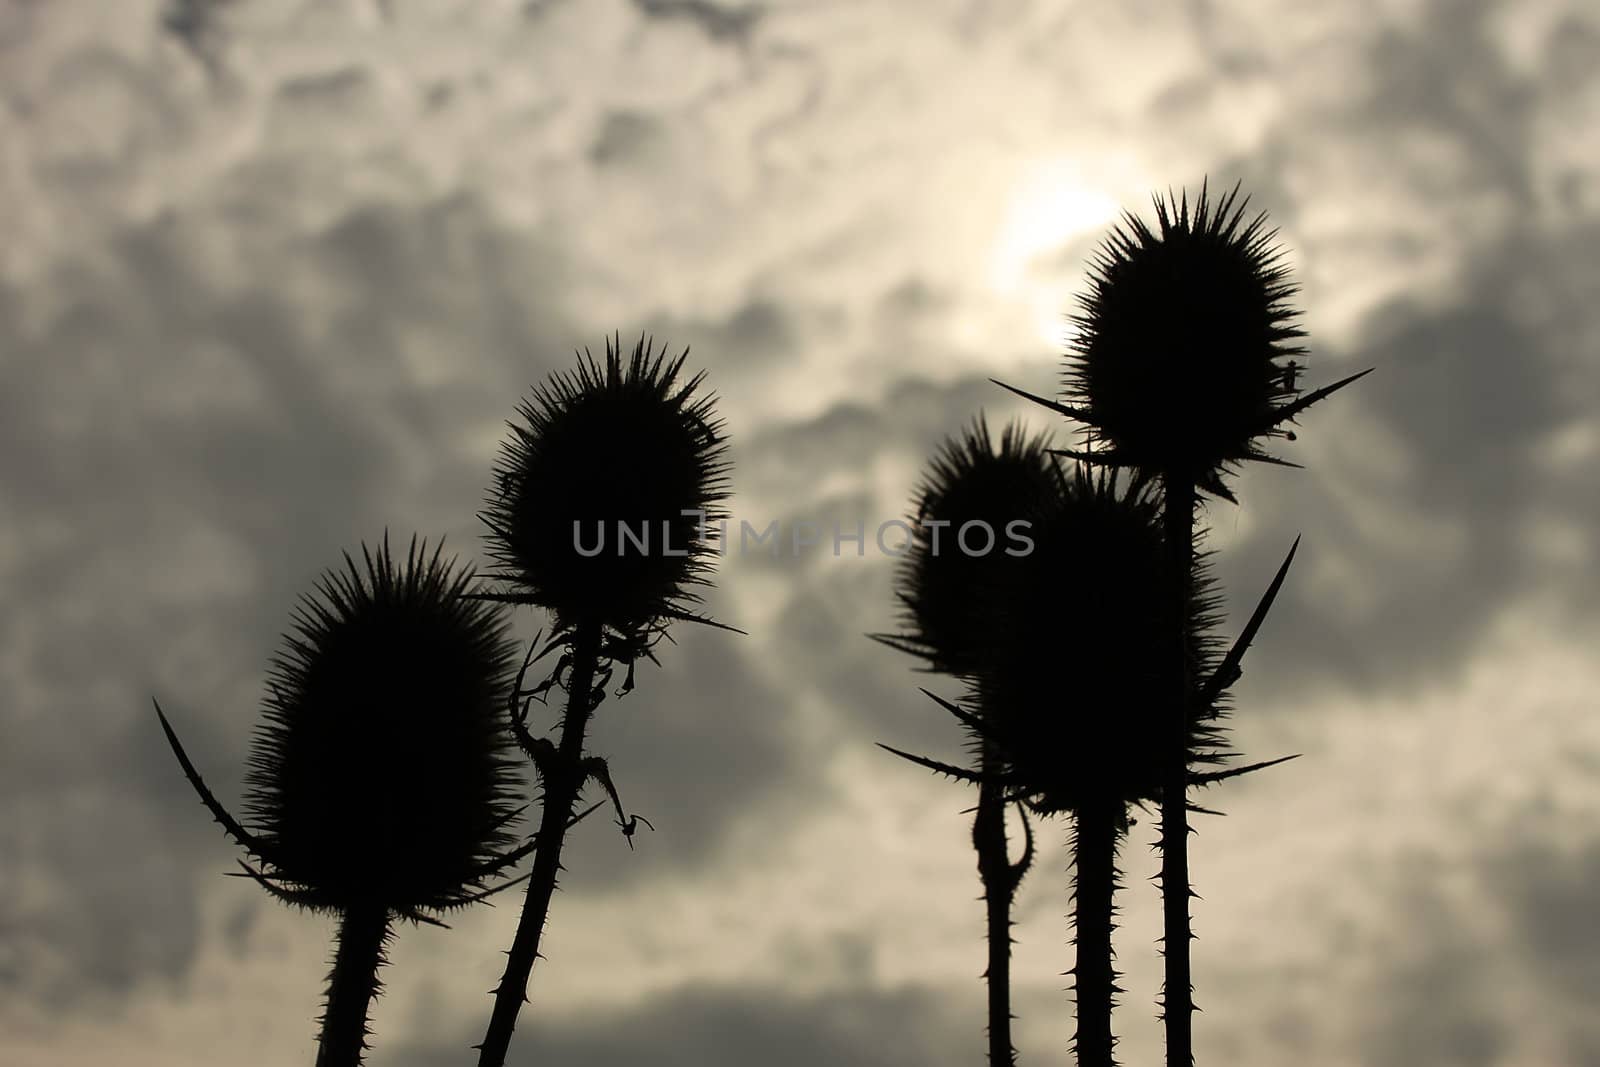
913, 417
1447, 76
1439, 1004
1529, 924
1539, 879
183, 452
1470, 392
699, 1025
720, 22
329, 87
625, 138
195, 25
836, 601
1549, 892
103, 844
910, 298
823, 632
743, 345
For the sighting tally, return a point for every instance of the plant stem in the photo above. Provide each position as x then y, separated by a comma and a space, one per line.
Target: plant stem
352, 985
563, 783
999, 888
1177, 1003
1095, 865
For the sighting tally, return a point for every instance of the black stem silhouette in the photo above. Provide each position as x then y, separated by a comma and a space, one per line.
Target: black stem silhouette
352, 985
562, 783
1000, 879
949, 598
1177, 1000
1097, 834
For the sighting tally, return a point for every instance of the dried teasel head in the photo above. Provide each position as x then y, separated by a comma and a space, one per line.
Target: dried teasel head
1185, 339
945, 573
1071, 684
1076, 693
626, 444
381, 774
1186, 357
1076, 684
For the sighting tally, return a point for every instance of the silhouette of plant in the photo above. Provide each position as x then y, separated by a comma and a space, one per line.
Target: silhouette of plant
1177, 372
1069, 694
940, 587
381, 778
1078, 738
623, 450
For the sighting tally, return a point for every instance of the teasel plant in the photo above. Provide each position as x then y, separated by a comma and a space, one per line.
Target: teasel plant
1184, 364
1065, 698
939, 585
605, 510
382, 778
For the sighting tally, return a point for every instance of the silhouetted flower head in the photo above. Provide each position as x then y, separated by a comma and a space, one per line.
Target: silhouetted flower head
381, 773
939, 583
1077, 683
625, 443
1065, 647
1185, 356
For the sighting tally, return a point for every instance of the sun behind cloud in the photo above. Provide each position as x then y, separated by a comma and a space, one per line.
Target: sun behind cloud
1050, 204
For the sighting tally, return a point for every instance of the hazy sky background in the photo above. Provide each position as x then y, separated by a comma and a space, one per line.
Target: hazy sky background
273, 275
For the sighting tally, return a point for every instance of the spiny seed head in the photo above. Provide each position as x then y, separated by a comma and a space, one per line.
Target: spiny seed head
381, 772
939, 585
1185, 348
625, 442
1078, 680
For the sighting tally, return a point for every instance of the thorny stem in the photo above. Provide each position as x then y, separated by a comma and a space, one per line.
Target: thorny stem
352, 985
1177, 1004
562, 784
999, 888
1095, 875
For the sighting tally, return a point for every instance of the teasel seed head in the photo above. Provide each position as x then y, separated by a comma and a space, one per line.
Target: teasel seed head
381, 772
939, 585
1185, 359
627, 441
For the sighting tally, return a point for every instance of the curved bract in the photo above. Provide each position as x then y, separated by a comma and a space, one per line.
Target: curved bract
597, 490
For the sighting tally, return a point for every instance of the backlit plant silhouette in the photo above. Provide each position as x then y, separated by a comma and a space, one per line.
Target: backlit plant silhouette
939, 587
1184, 362
381, 776
601, 513
1068, 692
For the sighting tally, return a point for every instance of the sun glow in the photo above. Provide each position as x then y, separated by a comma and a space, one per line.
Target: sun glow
1050, 207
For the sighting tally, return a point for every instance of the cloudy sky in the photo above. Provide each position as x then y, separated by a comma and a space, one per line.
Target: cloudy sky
273, 274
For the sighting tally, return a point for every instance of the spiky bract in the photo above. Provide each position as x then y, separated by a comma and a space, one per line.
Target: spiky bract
939, 583
1176, 363
624, 443
381, 773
